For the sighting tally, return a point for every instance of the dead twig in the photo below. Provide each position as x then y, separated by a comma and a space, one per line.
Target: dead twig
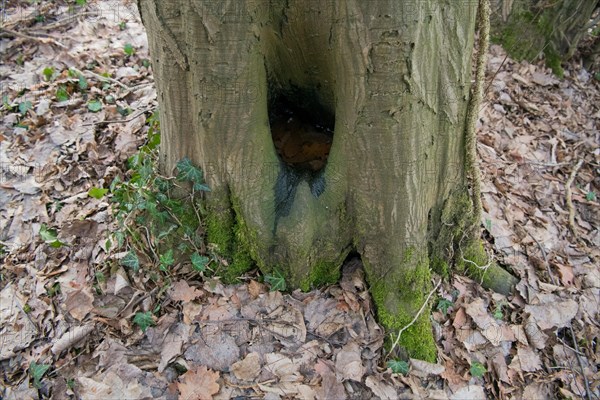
545, 259
569, 198
588, 392
35, 38
100, 77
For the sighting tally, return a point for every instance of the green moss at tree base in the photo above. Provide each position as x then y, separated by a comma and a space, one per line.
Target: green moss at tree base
456, 241
399, 297
322, 274
226, 232
480, 268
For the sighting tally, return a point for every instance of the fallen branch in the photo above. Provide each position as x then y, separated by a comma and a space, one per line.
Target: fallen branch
35, 38
569, 198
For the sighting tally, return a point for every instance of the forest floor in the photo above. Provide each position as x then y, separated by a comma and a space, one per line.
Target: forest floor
75, 323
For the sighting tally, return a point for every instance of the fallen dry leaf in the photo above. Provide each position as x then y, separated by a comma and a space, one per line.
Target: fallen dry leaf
330, 387
198, 384
381, 389
248, 368
348, 363
79, 303
182, 291
554, 313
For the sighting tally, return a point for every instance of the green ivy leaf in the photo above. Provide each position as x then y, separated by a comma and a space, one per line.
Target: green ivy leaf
199, 262
82, 82
50, 236
477, 369
37, 371
24, 107
48, 73
62, 94
144, 320
188, 171
498, 314
166, 260
131, 260
398, 366
128, 49
97, 193
276, 281
200, 187
94, 105
443, 305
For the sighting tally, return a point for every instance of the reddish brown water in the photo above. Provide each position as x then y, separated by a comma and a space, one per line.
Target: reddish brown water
300, 144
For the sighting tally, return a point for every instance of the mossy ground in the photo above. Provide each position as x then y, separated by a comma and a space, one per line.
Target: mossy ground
538, 30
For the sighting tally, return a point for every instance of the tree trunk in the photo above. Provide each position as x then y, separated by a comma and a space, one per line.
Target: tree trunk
389, 79
527, 28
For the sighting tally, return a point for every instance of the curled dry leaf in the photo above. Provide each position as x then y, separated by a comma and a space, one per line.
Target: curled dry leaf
70, 338
248, 368
424, 368
381, 389
283, 367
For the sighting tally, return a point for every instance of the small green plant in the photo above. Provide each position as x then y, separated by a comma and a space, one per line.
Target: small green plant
143, 320
166, 260
131, 260
24, 107
129, 49
477, 369
199, 262
71, 382
53, 290
398, 366
62, 94
590, 196
94, 105
97, 193
498, 314
276, 281
122, 25
443, 305
82, 82
160, 218
50, 236
48, 73
37, 371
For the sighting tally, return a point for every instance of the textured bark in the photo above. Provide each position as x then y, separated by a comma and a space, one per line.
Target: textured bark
395, 76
